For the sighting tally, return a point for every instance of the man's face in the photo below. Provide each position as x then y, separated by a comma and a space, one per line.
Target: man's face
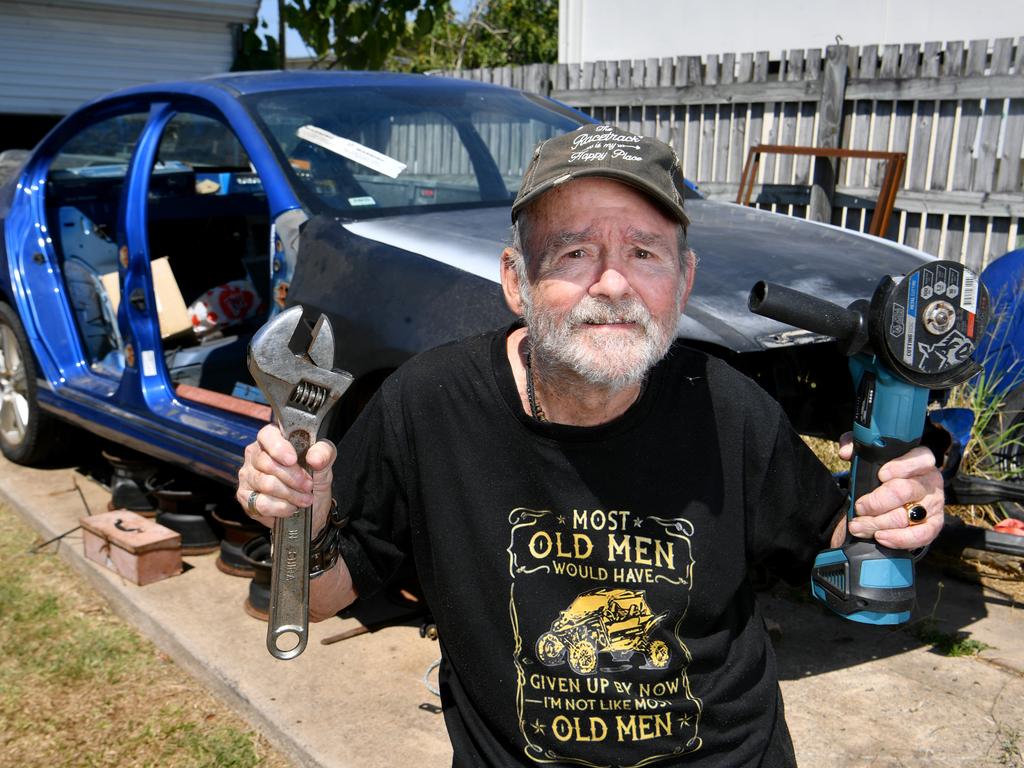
605, 287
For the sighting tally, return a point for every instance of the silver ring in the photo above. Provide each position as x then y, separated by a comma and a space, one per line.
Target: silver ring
250, 506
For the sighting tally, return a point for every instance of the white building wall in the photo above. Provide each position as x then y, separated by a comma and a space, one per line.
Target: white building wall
609, 30
57, 55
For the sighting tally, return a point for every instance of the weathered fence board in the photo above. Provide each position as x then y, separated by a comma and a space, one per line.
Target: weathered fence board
920, 147
937, 87
755, 133
956, 109
1008, 177
806, 118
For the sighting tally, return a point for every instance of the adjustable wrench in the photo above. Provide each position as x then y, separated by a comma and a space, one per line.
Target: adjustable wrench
301, 387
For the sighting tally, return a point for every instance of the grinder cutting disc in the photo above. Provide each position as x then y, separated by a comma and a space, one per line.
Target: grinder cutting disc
931, 321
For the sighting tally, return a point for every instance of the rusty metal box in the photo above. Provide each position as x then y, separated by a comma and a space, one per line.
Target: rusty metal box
140, 550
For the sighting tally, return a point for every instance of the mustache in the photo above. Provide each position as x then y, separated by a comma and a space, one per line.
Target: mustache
597, 311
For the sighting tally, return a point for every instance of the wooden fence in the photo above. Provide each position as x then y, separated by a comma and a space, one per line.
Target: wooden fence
957, 111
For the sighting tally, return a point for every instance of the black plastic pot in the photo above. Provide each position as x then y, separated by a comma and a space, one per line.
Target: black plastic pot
129, 483
183, 501
197, 537
184, 509
256, 552
236, 529
232, 560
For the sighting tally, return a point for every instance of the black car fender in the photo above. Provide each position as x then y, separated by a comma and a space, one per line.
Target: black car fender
385, 303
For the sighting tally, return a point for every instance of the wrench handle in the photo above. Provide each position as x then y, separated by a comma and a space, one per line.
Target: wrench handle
289, 586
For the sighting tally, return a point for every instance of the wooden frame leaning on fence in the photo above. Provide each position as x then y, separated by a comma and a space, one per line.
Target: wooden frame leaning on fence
895, 162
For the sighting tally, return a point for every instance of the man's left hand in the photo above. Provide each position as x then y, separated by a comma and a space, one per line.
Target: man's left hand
911, 479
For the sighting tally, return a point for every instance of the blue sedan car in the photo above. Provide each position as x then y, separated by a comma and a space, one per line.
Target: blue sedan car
154, 230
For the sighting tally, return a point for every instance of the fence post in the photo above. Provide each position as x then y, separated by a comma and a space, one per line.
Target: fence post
830, 121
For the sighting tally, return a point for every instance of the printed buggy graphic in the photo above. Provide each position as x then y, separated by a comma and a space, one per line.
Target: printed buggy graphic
614, 621
601, 678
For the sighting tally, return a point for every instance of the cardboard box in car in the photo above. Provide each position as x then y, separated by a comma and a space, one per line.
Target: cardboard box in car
140, 550
170, 306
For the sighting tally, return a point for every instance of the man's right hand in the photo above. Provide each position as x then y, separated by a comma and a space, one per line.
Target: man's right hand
271, 470
275, 483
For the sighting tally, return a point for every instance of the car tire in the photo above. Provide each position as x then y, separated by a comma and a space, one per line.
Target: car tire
28, 435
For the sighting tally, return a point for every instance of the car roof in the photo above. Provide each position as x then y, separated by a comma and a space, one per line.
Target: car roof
245, 83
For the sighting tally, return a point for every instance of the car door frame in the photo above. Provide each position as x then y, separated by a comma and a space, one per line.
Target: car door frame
143, 412
48, 318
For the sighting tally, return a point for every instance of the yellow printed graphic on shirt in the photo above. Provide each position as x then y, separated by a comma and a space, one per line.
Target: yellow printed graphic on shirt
616, 621
602, 674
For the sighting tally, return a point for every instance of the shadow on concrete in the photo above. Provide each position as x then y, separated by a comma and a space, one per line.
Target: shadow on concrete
809, 640
812, 640
399, 605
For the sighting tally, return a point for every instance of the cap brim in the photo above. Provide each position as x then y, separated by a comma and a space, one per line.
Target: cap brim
670, 206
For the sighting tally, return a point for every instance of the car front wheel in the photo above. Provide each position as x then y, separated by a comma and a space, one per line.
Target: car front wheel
27, 435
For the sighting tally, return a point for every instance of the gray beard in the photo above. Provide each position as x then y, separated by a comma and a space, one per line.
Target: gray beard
614, 361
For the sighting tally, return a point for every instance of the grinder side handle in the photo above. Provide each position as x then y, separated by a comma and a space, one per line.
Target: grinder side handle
801, 310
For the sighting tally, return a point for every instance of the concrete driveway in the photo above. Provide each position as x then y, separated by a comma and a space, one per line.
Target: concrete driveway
855, 695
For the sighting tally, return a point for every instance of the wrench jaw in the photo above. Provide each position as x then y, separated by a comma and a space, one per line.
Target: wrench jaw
301, 388
304, 381
321, 347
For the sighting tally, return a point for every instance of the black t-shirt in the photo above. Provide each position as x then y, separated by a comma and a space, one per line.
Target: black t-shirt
589, 584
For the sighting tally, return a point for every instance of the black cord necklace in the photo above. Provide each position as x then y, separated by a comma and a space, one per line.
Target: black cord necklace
535, 410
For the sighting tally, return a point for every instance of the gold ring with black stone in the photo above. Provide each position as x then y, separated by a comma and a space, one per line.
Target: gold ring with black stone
916, 513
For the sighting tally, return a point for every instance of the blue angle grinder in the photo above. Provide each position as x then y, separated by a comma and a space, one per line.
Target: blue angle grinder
917, 334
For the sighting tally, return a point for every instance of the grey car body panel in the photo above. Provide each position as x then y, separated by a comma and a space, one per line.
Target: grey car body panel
387, 303
748, 245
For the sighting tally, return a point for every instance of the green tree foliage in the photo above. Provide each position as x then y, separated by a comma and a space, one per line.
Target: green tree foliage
512, 32
255, 52
495, 33
423, 35
363, 34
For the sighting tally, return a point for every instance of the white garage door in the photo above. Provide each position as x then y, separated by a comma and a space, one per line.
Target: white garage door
57, 55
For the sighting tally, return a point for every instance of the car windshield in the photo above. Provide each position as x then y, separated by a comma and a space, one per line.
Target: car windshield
360, 151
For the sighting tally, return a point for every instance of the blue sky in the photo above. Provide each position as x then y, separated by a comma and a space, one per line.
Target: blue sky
294, 44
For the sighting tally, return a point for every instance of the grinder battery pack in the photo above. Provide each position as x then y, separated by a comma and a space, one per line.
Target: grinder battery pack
915, 335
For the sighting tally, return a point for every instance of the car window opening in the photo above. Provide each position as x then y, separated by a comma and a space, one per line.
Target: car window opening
209, 244
84, 188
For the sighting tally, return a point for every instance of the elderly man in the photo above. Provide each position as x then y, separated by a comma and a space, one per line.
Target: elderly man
583, 500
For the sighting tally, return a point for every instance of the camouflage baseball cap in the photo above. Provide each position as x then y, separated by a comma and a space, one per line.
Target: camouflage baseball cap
609, 152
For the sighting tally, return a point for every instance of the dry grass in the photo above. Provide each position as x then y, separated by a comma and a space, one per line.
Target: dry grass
827, 452
1000, 575
80, 687
993, 574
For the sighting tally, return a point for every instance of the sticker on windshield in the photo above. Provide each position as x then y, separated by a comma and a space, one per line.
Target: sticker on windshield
352, 150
